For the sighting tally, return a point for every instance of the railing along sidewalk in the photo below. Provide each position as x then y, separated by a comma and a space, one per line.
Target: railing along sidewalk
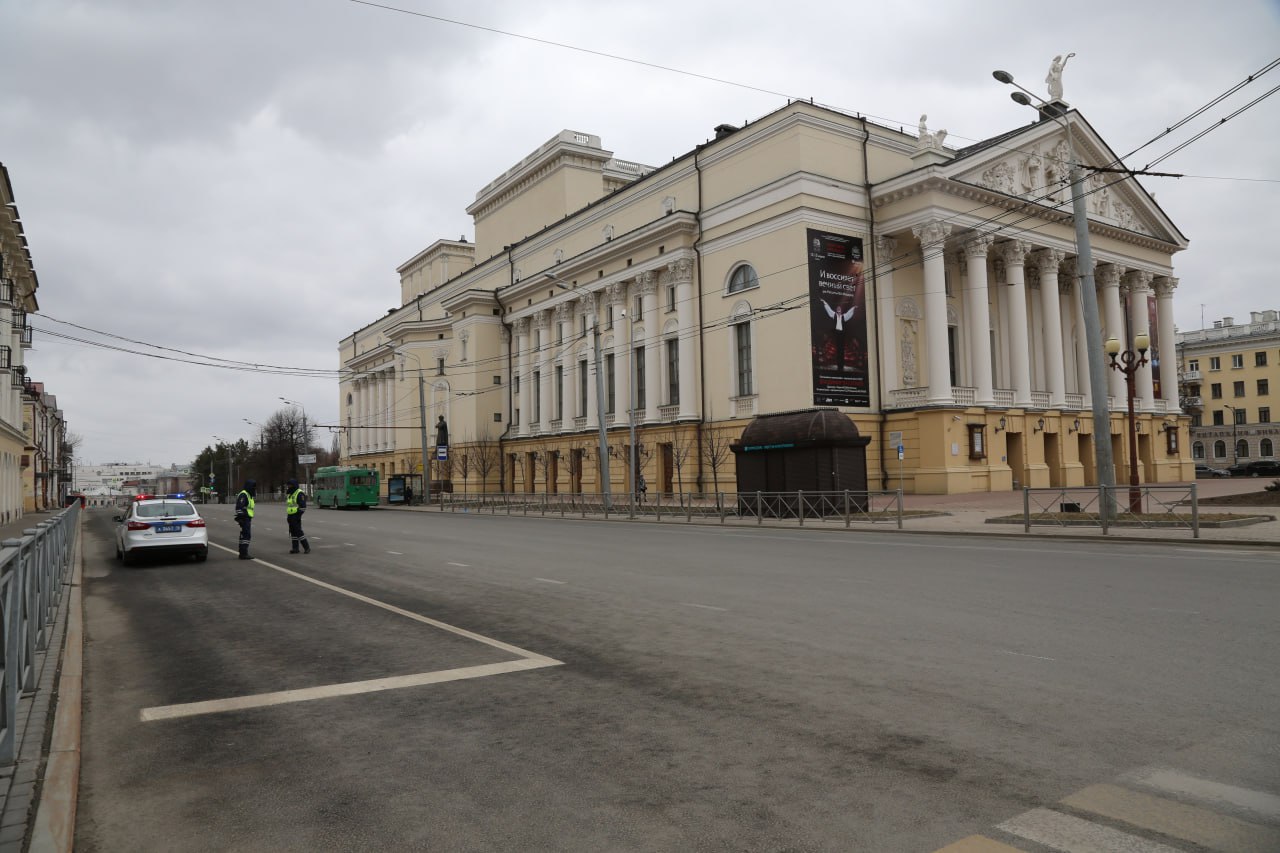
32, 573
1175, 506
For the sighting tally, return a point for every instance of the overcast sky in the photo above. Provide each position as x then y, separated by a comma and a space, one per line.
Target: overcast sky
240, 179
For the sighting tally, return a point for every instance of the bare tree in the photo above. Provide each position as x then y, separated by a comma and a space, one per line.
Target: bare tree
715, 451
486, 458
682, 445
546, 460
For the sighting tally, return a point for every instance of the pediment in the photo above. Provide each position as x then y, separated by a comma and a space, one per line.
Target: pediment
1034, 165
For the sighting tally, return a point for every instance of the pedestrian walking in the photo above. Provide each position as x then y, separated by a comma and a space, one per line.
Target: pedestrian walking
295, 504
644, 488
244, 515
408, 495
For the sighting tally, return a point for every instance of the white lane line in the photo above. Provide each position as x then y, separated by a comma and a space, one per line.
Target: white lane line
349, 544
1168, 610
397, 553
1207, 792
704, 606
549, 580
1064, 832
459, 565
351, 688
1021, 655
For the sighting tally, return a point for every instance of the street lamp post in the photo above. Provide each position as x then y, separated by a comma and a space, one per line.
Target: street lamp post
605, 487
306, 441
422, 424
1235, 436
1103, 460
1128, 362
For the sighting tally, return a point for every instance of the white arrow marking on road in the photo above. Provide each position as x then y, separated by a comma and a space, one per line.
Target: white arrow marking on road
1021, 655
549, 580
705, 606
459, 565
397, 553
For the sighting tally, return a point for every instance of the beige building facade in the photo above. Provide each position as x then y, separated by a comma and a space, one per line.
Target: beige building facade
810, 258
1227, 373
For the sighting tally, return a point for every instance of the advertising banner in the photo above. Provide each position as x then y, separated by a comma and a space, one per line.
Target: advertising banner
838, 320
1156, 355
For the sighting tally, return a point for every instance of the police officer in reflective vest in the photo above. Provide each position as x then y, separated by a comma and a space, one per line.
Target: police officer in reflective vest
295, 503
244, 515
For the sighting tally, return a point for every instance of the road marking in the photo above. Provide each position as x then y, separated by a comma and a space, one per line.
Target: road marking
705, 606
527, 660
1174, 819
459, 565
1208, 792
1064, 832
549, 580
349, 544
1022, 655
329, 691
1168, 610
397, 553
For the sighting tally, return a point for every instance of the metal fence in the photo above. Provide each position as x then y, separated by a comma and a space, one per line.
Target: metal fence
32, 573
1148, 507
838, 508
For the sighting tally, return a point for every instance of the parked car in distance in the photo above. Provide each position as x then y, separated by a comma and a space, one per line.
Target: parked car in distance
161, 525
1210, 471
1256, 468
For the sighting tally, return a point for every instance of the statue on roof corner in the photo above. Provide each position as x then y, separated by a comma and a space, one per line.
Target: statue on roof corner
1054, 77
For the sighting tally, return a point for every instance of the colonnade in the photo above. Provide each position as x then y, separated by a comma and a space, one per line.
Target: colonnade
1034, 354
373, 411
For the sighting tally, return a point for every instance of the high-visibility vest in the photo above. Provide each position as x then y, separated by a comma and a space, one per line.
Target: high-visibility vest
249, 506
291, 502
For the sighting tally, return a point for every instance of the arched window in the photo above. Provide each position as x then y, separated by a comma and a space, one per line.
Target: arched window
743, 278
1266, 448
1242, 449
1197, 450
1219, 449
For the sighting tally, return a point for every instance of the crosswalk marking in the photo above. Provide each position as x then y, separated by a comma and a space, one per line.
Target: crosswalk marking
1065, 832
1177, 820
1206, 792
978, 844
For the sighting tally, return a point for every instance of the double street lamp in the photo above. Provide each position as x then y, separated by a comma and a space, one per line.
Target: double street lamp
1129, 362
1103, 460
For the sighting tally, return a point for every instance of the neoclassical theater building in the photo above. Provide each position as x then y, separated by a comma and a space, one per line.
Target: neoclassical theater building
808, 260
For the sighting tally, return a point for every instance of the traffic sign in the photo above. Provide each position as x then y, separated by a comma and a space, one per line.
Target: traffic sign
306, 459
442, 452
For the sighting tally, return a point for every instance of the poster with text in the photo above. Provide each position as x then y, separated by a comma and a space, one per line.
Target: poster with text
838, 320
1156, 356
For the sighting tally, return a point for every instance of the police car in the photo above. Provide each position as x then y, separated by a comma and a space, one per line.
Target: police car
161, 524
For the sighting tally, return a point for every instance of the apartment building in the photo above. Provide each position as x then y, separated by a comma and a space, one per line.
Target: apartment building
1226, 375
810, 258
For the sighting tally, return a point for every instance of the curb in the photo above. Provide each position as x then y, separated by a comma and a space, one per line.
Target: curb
54, 827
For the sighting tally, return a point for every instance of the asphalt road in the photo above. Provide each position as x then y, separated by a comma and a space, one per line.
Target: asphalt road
654, 688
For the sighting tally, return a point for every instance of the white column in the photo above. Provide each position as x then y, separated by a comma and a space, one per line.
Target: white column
622, 364
1114, 320
1048, 261
1140, 320
546, 404
933, 237
881, 295
1069, 372
362, 415
1015, 255
977, 295
685, 305
1165, 286
653, 391
523, 371
588, 307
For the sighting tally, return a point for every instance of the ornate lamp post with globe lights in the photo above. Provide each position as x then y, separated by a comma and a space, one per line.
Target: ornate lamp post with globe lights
1128, 362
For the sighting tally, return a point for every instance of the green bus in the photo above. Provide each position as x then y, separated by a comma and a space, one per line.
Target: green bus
346, 486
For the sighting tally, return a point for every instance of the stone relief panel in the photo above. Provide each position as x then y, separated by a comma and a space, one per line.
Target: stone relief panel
908, 334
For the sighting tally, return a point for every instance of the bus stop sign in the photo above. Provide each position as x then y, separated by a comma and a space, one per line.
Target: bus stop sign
442, 452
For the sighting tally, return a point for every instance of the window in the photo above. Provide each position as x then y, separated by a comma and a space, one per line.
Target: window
515, 385
582, 324
1237, 361
673, 371
611, 385
497, 416
537, 396
464, 349
1197, 450
559, 333
584, 379
1218, 417
743, 278
1264, 387
1219, 449
1260, 359
1264, 415
1215, 390
1197, 419
742, 349
609, 317
1240, 416
559, 392
638, 365
1193, 365
1266, 448
1237, 388
1242, 449
439, 367
671, 298
515, 417
639, 306
1215, 363
977, 441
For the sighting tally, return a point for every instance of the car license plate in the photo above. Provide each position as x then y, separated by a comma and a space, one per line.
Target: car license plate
168, 528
